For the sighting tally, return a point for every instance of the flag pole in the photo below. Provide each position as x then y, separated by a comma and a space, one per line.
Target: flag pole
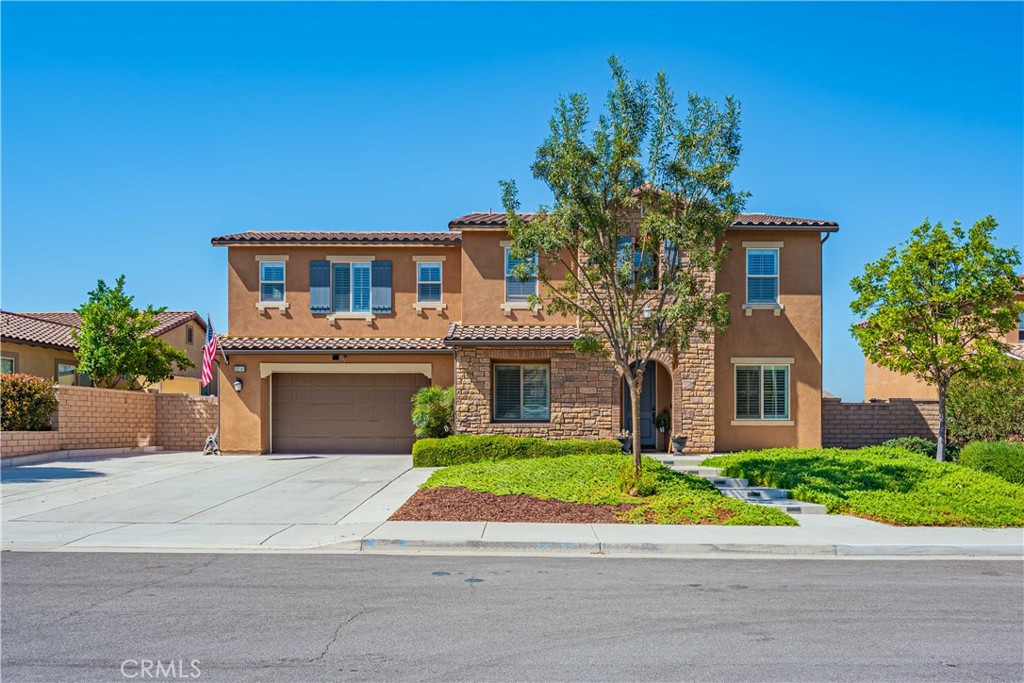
223, 355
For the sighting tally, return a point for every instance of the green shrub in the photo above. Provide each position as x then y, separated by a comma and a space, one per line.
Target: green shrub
456, 450
884, 484
914, 444
1001, 458
627, 479
433, 411
988, 410
27, 402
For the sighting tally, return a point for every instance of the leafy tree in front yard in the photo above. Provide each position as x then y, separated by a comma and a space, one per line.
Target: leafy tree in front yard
115, 344
646, 173
936, 305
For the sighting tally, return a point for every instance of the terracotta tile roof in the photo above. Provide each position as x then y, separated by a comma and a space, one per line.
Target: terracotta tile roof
327, 344
21, 327
510, 334
743, 220
336, 237
1017, 351
168, 319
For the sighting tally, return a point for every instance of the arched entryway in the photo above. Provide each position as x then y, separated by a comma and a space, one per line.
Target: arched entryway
655, 399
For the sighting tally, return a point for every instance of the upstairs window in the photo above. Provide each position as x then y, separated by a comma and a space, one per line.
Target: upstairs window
188, 334
515, 289
271, 281
521, 393
762, 276
643, 263
428, 282
351, 287
762, 392
1020, 327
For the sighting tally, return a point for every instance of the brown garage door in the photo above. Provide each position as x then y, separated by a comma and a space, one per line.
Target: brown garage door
343, 413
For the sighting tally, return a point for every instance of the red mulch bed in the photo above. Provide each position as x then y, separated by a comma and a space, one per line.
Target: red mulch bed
448, 504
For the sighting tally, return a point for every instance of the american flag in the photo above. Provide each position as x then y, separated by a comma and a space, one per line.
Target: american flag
209, 352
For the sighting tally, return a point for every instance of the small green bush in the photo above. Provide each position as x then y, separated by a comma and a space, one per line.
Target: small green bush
1001, 458
433, 411
914, 444
27, 402
627, 479
457, 450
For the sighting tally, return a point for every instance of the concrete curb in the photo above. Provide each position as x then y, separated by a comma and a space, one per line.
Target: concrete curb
822, 550
55, 456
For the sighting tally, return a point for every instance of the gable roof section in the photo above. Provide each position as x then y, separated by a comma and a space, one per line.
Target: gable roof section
306, 237
54, 328
510, 334
744, 221
329, 344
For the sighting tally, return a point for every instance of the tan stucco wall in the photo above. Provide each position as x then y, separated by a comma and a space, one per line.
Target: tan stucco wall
483, 276
795, 333
176, 337
245, 415
37, 360
884, 383
297, 321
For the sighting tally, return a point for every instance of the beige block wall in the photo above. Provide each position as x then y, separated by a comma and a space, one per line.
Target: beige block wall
297, 321
852, 425
90, 418
794, 333
245, 414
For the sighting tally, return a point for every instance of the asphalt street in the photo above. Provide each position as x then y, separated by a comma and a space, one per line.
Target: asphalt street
309, 617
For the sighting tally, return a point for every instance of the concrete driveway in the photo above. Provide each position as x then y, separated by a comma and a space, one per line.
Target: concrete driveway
188, 501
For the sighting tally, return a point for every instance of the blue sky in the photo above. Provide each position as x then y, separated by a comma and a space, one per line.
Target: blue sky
132, 133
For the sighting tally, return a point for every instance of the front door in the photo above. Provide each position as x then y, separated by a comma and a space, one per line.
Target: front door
648, 435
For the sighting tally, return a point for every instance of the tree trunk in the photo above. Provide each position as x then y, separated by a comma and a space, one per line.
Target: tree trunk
635, 391
940, 451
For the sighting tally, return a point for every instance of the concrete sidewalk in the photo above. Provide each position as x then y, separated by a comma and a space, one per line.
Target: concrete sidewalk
340, 504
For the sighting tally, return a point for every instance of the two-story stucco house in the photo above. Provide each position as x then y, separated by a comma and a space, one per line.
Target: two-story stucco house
331, 333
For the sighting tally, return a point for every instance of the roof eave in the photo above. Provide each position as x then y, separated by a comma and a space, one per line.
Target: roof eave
509, 342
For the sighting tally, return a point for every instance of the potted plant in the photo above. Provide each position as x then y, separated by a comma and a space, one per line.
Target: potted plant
626, 439
678, 444
662, 421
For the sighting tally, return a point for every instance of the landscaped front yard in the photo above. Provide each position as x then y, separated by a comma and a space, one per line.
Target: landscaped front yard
888, 485
577, 488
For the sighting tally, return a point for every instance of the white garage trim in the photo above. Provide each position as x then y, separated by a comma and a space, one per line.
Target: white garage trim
337, 368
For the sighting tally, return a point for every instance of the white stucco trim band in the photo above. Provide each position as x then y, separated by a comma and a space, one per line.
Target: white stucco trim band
342, 368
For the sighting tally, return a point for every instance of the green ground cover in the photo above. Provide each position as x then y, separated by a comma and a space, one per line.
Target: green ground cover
674, 498
889, 485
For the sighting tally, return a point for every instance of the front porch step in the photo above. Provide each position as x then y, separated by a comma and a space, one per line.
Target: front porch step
756, 495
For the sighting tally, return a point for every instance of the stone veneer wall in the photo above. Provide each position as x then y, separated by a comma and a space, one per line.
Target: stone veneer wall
852, 425
584, 393
91, 418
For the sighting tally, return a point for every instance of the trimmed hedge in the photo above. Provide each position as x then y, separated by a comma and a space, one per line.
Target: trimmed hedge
27, 402
914, 444
460, 449
1002, 458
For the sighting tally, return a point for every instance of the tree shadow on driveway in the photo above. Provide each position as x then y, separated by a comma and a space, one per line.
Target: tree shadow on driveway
35, 475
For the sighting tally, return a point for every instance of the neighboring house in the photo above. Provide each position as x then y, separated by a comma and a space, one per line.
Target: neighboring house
41, 344
331, 333
883, 383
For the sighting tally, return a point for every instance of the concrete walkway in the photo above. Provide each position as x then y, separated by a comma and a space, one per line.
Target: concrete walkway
187, 502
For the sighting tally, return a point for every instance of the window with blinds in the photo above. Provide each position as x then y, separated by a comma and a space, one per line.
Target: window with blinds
762, 392
351, 288
271, 281
516, 289
762, 276
522, 393
428, 282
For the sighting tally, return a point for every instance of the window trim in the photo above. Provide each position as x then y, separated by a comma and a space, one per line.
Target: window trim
749, 306
420, 303
57, 362
505, 276
494, 391
189, 334
13, 357
761, 364
283, 303
362, 262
